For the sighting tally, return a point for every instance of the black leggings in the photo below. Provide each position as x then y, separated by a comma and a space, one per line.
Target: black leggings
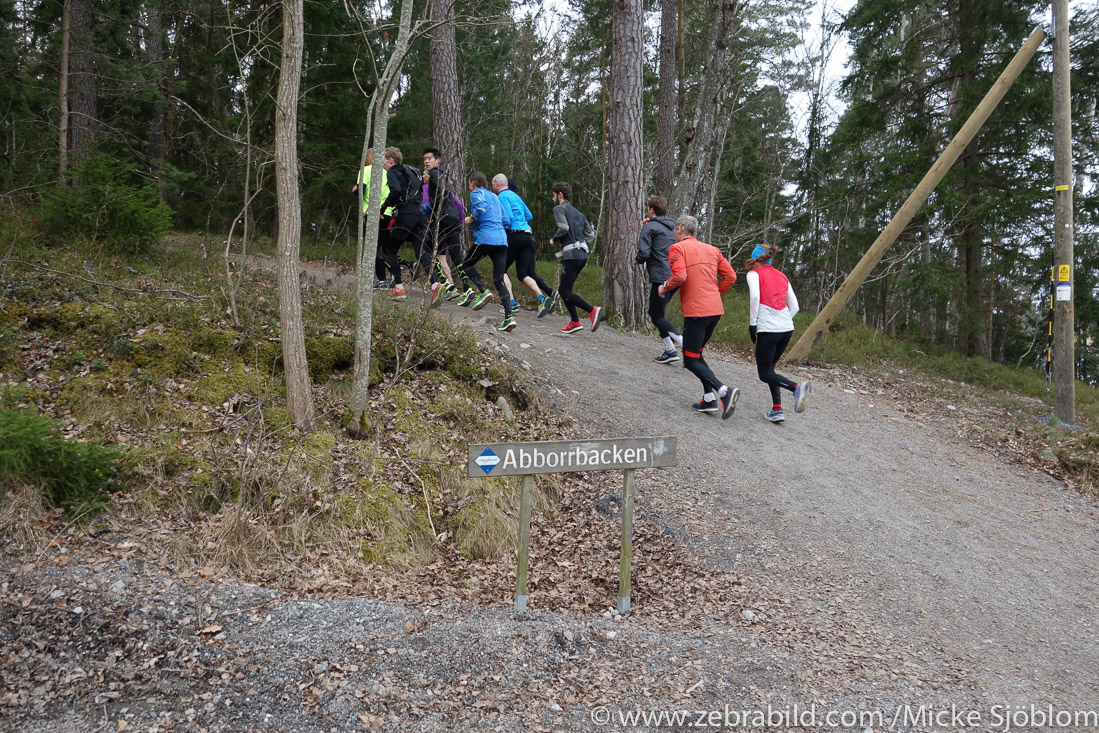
521, 248
769, 348
499, 257
656, 311
696, 334
387, 250
449, 231
412, 227
570, 269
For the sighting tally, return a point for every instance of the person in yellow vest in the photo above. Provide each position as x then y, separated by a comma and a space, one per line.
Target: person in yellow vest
380, 270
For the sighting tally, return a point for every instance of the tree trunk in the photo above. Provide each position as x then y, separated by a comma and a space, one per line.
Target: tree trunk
712, 91
378, 119
299, 392
63, 98
623, 284
446, 97
82, 85
154, 43
665, 124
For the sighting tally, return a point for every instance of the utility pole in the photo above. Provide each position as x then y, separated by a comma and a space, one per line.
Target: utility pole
1064, 356
800, 350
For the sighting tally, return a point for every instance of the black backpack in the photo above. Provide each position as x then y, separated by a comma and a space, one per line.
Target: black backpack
413, 190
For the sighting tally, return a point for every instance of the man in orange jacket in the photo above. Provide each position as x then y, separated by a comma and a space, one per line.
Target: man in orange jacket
702, 275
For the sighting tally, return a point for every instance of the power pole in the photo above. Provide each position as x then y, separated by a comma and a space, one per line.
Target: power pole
800, 350
1064, 356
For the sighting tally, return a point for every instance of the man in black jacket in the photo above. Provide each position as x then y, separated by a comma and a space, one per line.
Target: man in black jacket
444, 225
410, 223
652, 251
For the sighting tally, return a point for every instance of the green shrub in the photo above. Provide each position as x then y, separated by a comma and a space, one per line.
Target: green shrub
106, 205
72, 474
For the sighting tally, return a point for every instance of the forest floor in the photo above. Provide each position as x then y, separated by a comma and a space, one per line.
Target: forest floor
893, 558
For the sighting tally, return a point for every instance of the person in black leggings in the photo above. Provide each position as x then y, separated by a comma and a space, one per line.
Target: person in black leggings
772, 306
574, 233
656, 238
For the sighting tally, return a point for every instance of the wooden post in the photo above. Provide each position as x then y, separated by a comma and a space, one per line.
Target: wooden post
524, 543
625, 562
800, 350
1064, 358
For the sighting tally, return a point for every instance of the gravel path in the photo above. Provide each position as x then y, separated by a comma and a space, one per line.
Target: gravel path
885, 563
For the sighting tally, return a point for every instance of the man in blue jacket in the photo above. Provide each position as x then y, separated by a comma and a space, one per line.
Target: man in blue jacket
489, 240
656, 238
521, 244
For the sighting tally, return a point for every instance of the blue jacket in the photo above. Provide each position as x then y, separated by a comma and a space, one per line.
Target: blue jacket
517, 216
488, 227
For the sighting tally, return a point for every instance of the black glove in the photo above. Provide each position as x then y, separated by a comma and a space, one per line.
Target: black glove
639, 259
752, 333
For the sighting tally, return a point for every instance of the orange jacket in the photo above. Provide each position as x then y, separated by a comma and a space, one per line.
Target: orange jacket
702, 276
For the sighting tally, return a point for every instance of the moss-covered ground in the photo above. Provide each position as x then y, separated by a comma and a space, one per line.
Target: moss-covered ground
144, 354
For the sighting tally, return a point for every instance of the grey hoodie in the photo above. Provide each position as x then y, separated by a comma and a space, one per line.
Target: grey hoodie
652, 247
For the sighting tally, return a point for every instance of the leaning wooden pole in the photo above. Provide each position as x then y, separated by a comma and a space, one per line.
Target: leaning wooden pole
1064, 337
800, 350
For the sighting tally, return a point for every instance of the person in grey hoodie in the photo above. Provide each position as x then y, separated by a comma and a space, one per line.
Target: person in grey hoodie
652, 252
573, 234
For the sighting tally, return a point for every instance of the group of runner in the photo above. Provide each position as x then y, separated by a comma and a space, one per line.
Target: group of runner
415, 205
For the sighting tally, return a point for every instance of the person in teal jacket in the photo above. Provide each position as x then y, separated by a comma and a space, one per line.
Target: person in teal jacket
489, 240
521, 244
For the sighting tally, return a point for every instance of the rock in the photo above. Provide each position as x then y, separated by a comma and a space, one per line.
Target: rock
556, 708
612, 634
748, 615
523, 345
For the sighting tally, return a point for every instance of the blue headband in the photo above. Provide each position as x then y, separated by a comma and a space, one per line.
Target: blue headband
761, 252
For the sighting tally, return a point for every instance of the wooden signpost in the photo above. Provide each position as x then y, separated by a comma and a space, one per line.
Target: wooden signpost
527, 459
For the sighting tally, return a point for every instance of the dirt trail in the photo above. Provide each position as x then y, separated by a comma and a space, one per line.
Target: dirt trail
942, 554
883, 562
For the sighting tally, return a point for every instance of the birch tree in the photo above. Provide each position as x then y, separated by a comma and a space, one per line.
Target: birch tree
377, 122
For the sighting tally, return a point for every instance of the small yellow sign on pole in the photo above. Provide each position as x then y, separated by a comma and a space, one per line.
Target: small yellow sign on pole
1064, 273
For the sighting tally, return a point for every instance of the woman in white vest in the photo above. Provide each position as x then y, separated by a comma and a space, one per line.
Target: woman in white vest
771, 310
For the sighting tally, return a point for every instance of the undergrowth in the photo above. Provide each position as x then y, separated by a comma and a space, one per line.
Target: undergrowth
143, 349
72, 475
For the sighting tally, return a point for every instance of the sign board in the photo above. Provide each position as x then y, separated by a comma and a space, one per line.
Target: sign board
1063, 273
560, 456
1064, 292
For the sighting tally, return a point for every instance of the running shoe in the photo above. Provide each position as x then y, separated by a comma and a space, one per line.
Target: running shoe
548, 304
381, 285
801, 396
573, 327
452, 292
467, 297
508, 324
514, 305
436, 294
482, 300
596, 315
775, 415
667, 357
728, 402
705, 405
399, 294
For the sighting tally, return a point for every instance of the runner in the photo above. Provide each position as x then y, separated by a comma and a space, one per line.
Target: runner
444, 225
410, 224
703, 276
772, 306
521, 244
380, 266
574, 233
655, 240
489, 240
